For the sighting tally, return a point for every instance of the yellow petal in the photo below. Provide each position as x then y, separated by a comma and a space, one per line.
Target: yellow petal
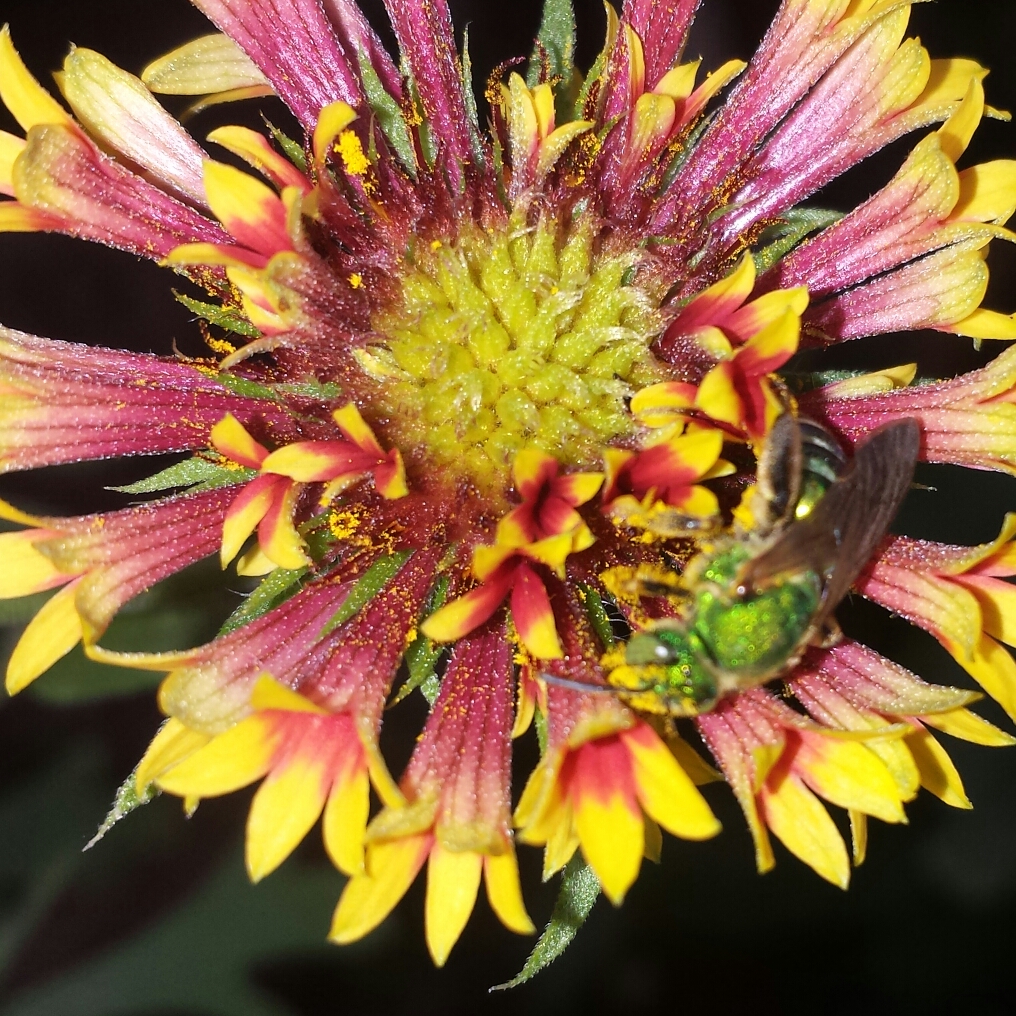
28, 102
666, 791
255, 149
938, 774
271, 694
797, 817
332, 121
201, 254
237, 198
984, 324
345, 821
992, 668
50, 635
504, 891
540, 795
848, 774
11, 514
679, 82
238, 525
949, 81
369, 898
453, 879
353, 425
653, 848
613, 839
283, 811
284, 545
987, 193
699, 771
899, 763
955, 135
119, 110
26, 570
968, 726
228, 762
876, 383
557, 143
255, 563
213, 63
560, 847
717, 396
523, 122
543, 102
171, 745
858, 836
714, 81
998, 608
230, 437
10, 148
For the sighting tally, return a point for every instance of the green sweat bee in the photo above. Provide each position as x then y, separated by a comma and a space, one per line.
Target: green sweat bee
755, 601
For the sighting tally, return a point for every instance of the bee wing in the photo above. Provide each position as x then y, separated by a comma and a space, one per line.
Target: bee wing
779, 469
839, 536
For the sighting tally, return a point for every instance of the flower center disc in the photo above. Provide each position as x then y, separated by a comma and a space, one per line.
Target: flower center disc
523, 338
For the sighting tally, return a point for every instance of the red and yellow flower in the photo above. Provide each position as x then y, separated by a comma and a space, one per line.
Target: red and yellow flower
534, 342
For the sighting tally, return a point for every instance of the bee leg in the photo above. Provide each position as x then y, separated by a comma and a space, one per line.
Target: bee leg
829, 635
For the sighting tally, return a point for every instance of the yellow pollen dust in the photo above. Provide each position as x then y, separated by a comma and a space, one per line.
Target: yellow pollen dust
350, 151
343, 524
523, 337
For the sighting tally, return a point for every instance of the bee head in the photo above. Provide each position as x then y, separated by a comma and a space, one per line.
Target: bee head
662, 646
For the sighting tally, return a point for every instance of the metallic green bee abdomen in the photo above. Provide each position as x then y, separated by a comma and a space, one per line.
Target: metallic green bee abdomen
755, 637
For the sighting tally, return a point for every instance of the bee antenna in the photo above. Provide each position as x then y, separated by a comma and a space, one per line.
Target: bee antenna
564, 682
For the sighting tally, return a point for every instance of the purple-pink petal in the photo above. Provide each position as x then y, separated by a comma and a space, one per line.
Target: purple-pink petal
427, 41
63, 174
126, 552
663, 27
63, 402
295, 46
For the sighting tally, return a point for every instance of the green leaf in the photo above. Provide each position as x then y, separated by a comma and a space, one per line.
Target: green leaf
312, 389
431, 688
193, 471
127, 800
580, 889
594, 75
368, 585
800, 382
597, 615
422, 656
555, 42
779, 240
290, 148
540, 722
274, 589
475, 137
224, 317
389, 115
428, 144
682, 156
249, 389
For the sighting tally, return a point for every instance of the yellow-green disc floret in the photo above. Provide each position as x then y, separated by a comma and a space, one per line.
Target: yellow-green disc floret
522, 337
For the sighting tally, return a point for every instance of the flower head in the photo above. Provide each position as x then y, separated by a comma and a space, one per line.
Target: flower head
506, 413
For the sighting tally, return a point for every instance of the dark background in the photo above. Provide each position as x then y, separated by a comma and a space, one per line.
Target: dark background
159, 920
